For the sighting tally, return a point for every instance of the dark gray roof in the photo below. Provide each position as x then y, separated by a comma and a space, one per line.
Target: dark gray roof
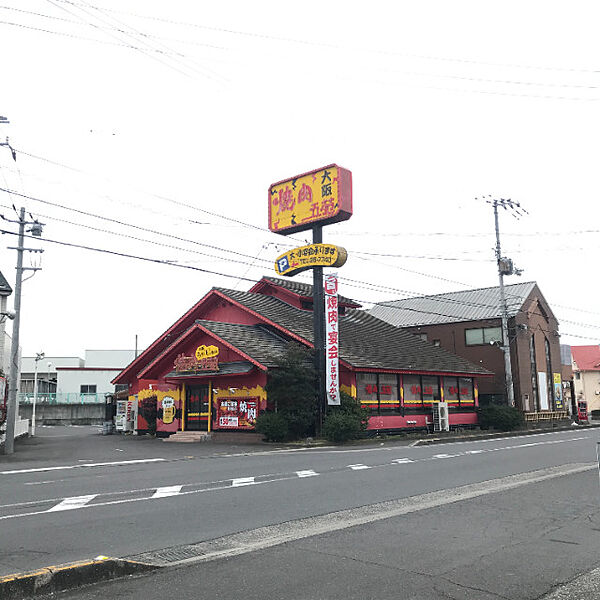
453, 307
5, 289
365, 341
304, 289
256, 341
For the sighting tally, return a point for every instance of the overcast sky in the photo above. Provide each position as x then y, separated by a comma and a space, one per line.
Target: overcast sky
164, 123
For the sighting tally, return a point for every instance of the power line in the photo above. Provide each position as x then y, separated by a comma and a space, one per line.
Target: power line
372, 287
133, 256
174, 264
147, 35
116, 221
376, 287
306, 42
138, 37
131, 237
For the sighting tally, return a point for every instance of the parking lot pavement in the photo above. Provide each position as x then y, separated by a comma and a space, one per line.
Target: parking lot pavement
67, 444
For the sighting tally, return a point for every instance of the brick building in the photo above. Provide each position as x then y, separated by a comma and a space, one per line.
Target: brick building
468, 323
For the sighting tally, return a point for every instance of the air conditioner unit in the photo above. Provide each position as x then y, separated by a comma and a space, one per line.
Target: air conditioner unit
441, 417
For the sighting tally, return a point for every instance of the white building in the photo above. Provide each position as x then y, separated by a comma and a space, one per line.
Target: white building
73, 379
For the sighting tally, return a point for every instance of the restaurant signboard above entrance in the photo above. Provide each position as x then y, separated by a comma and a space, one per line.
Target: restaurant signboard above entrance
319, 197
306, 257
204, 359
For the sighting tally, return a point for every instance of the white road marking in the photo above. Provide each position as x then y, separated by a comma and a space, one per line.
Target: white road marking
307, 473
444, 455
102, 464
358, 467
170, 490
402, 461
240, 481
72, 503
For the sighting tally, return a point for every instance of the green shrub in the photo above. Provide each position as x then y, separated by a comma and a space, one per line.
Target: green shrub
347, 421
500, 417
273, 426
341, 427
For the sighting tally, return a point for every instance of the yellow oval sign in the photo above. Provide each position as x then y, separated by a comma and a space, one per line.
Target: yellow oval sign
307, 257
203, 352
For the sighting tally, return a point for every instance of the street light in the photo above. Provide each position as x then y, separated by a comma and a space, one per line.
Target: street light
39, 356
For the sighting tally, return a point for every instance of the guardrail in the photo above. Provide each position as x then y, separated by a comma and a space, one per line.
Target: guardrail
62, 398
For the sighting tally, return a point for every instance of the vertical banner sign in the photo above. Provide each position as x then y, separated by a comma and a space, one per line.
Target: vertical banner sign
558, 396
332, 339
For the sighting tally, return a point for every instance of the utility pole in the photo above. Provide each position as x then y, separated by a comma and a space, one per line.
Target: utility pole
505, 267
13, 383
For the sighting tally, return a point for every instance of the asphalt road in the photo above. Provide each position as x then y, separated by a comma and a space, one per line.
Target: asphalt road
428, 536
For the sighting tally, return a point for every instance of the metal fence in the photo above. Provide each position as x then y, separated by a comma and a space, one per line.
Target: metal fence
62, 398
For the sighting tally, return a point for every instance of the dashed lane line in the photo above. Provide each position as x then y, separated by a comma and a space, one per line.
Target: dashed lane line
306, 473
72, 503
359, 467
118, 463
165, 492
241, 481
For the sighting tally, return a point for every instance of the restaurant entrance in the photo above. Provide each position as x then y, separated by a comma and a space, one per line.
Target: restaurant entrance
196, 407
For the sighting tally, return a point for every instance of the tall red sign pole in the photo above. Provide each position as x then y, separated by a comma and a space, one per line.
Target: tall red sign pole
310, 201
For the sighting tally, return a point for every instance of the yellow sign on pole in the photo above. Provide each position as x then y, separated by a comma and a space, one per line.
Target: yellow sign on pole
306, 257
320, 197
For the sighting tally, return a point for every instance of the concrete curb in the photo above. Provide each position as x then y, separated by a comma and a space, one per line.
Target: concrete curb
499, 434
58, 578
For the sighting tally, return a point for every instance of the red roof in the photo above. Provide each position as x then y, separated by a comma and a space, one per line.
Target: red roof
587, 358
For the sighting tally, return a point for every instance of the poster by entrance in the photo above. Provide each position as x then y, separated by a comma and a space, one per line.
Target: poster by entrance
237, 413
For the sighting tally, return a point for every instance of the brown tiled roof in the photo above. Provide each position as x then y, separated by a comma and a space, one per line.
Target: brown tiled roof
366, 342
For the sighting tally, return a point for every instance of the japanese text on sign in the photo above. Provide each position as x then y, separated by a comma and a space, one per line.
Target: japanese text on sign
319, 197
237, 412
332, 340
306, 257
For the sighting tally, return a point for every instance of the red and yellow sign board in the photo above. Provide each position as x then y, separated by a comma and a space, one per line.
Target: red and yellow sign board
306, 257
191, 363
320, 197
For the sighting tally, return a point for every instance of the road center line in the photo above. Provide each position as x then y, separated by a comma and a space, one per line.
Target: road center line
118, 463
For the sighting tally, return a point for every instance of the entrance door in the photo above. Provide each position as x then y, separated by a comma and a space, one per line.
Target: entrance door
196, 408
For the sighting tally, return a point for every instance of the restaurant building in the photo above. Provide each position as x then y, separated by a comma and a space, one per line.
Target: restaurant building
209, 370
